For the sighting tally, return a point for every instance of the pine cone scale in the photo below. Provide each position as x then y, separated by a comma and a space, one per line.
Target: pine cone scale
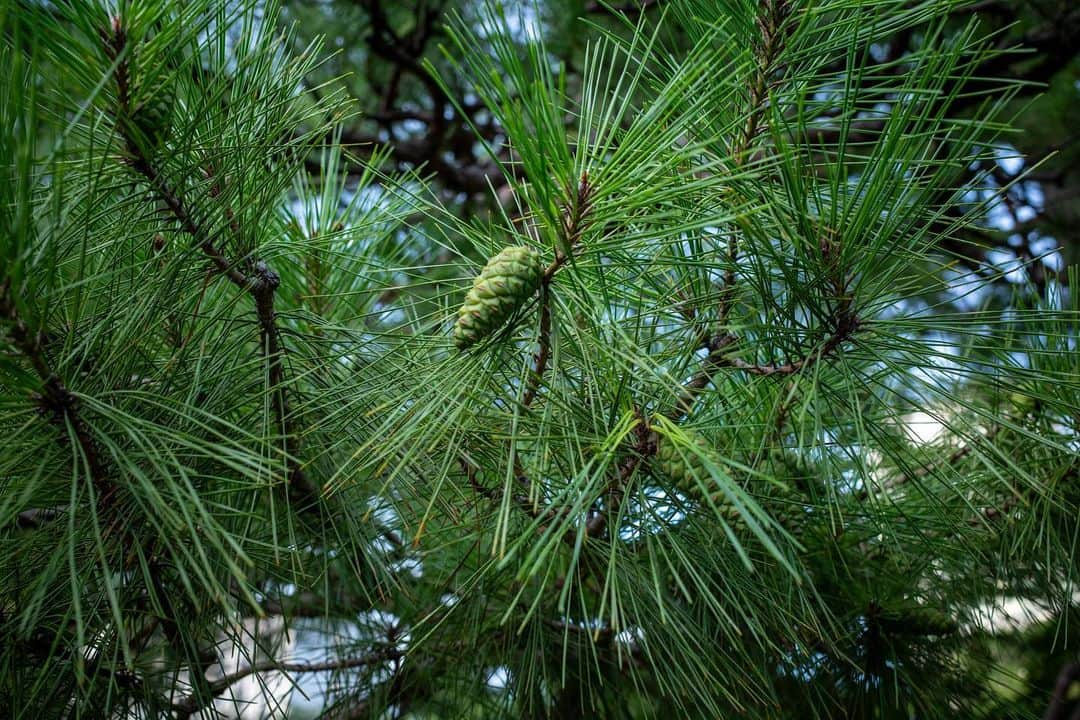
505, 283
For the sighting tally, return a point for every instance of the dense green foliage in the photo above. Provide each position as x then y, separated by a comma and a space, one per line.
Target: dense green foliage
682, 399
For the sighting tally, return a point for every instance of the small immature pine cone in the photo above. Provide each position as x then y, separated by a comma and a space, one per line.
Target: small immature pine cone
787, 510
687, 470
506, 282
681, 465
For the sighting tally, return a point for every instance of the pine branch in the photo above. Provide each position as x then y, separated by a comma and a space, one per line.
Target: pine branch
1059, 700
999, 513
540, 362
522, 500
64, 409
261, 283
57, 401
773, 29
771, 25
575, 222
719, 357
192, 704
931, 467
616, 489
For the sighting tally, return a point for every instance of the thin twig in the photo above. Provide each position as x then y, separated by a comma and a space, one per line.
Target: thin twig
718, 358
540, 362
616, 490
933, 466
772, 24
1059, 701
771, 20
195, 702
575, 222
479, 488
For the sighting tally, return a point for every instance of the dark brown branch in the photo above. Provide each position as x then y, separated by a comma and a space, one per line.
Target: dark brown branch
479, 488
261, 283
1059, 701
604, 633
193, 703
55, 399
404, 53
141, 162
524, 499
1051, 47
446, 145
540, 362
142, 165
993, 514
727, 286
574, 225
470, 178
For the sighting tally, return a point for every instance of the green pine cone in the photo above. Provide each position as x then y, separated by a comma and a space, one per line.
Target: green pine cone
683, 467
508, 280
687, 470
787, 510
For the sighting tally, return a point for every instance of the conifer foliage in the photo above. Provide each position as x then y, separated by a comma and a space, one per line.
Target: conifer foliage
641, 440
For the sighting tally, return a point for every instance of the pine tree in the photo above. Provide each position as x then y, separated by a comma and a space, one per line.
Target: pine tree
640, 440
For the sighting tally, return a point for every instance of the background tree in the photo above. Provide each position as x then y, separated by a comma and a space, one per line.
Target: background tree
766, 411
385, 47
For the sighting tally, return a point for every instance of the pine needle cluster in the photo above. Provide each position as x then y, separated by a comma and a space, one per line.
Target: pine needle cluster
657, 459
